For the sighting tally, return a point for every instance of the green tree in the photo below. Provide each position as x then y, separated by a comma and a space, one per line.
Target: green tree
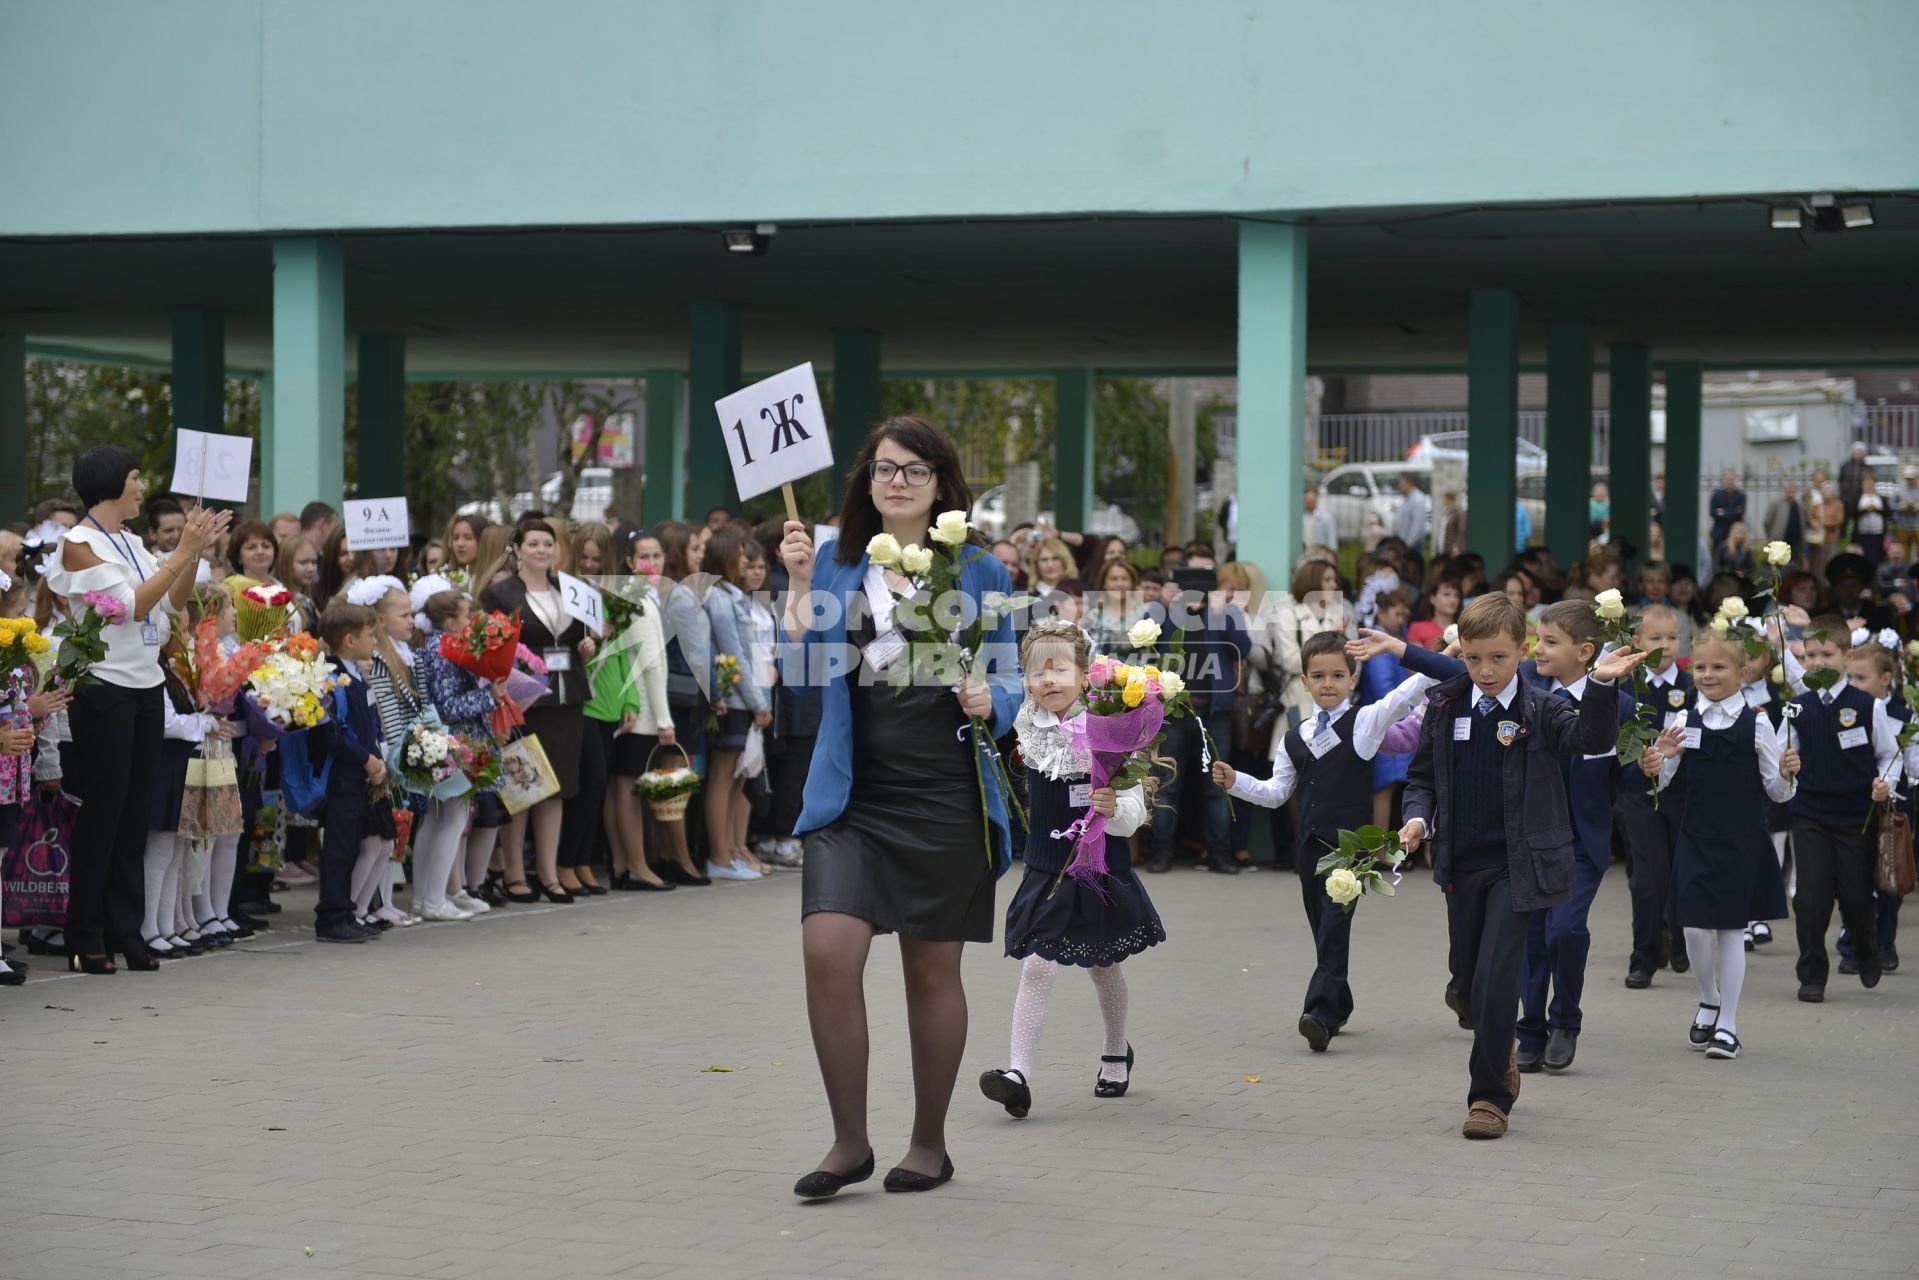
467, 442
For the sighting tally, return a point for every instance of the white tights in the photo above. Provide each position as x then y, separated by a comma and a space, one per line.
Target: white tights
479, 852
161, 866
1029, 1014
210, 899
1719, 982
369, 873
438, 843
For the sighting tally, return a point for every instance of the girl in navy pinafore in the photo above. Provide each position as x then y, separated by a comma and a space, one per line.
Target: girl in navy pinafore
1055, 919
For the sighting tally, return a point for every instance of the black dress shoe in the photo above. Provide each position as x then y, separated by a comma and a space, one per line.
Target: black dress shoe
1812, 992
819, 1184
1869, 978
246, 921
556, 893
1160, 865
1848, 965
674, 873
351, 931
643, 885
15, 975
1317, 1033
621, 881
1638, 979
1560, 1047
1222, 864
1529, 1059
1102, 1087
1681, 962
907, 1180
1460, 1011
1700, 1035
1008, 1088
39, 946
1888, 959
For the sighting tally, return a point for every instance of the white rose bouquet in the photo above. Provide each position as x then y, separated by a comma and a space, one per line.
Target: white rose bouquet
429, 763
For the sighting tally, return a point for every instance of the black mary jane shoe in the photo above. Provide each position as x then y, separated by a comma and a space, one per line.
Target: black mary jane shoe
558, 893
820, 1184
1701, 1033
590, 888
1009, 1089
1104, 1088
907, 1180
1725, 1045
519, 892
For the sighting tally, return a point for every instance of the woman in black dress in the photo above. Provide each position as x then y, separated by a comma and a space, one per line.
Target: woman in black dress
895, 838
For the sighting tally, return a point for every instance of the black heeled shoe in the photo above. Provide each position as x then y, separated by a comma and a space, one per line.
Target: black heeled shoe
99, 966
590, 887
678, 874
1104, 1088
820, 1184
1009, 1089
907, 1180
554, 893
522, 893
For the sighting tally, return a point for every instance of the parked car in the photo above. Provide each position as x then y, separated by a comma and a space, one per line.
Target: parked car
1452, 444
1351, 492
591, 497
989, 516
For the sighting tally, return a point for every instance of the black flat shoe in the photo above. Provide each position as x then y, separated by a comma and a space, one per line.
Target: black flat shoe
820, 1184
1104, 1088
15, 975
1561, 1046
555, 893
39, 946
1318, 1035
1008, 1088
1701, 1033
1638, 979
594, 887
678, 874
520, 893
907, 1180
622, 881
1529, 1061
644, 885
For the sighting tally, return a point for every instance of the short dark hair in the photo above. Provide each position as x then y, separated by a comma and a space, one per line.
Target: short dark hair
533, 525
1577, 619
1321, 644
341, 619
314, 512
1837, 632
100, 474
162, 504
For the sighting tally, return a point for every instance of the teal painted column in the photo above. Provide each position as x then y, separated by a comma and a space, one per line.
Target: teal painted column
665, 446
199, 369
1492, 423
1272, 396
267, 509
713, 371
1685, 400
1631, 464
380, 446
13, 427
856, 398
309, 376
1073, 401
1569, 438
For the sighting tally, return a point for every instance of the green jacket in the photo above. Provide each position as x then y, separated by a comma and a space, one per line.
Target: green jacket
616, 685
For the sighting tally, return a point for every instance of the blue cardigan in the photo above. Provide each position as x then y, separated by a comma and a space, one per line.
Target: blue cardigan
829, 780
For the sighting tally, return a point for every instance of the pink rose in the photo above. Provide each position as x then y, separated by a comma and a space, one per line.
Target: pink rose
1100, 674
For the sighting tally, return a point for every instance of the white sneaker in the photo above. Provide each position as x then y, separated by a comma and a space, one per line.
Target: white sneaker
442, 912
468, 903
781, 856
766, 847
732, 871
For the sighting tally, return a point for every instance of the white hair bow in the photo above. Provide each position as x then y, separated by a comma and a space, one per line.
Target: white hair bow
1888, 640
370, 591
424, 588
1860, 636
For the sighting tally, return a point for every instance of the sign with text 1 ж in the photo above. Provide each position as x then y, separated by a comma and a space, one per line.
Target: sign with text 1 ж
775, 432
582, 600
373, 523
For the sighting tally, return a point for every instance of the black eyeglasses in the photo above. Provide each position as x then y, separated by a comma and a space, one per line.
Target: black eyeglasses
918, 474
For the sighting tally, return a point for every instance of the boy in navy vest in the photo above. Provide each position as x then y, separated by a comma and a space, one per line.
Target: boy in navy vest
1328, 761
1651, 833
1875, 668
357, 762
1486, 786
1850, 751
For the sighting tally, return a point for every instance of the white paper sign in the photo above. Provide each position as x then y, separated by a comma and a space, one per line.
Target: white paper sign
775, 432
372, 523
823, 534
207, 465
582, 600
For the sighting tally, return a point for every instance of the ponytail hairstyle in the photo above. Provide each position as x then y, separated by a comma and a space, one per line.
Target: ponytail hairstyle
398, 669
443, 607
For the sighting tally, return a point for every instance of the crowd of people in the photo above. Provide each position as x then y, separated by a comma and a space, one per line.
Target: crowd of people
840, 779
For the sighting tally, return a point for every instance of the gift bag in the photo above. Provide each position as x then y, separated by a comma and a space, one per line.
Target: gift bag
1895, 852
34, 870
210, 806
526, 775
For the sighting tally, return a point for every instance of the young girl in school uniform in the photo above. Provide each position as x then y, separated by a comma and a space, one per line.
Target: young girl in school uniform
1724, 875
1055, 919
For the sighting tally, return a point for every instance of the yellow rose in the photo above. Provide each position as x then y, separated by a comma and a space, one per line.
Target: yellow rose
28, 626
1152, 672
1133, 695
38, 644
1122, 673
1342, 886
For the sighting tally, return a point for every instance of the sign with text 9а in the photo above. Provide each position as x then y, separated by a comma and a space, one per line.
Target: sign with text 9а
373, 523
775, 432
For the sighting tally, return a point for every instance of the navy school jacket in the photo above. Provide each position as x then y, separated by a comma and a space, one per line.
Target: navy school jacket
361, 742
1539, 825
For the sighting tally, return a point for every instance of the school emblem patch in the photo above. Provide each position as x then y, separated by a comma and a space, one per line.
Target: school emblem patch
1508, 730
1675, 698
1847, 717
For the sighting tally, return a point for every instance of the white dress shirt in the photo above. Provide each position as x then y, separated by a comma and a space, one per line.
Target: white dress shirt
1370, 723
1885, 730
1768, 744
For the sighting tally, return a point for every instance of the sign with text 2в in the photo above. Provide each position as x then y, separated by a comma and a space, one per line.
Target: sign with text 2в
372, 523
775, 432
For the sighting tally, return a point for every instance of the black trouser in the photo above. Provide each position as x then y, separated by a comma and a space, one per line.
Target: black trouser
1187, 781
1329, 997
116, 746
1650, 835
1886, 910
342, 827
1834, 862
582, 816
786, 770
1488, 942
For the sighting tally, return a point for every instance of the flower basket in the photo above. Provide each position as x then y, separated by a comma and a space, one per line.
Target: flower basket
668, 791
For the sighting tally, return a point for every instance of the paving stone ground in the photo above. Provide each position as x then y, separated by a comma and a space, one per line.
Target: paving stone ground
530, 1096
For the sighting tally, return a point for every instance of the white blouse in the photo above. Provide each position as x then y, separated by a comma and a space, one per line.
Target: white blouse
131, 662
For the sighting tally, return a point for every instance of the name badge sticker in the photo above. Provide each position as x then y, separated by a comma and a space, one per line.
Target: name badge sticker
1850, 738
1080, 795
149, 633
883, 651
1692, 738
1462, 730
558, 659
1325, 742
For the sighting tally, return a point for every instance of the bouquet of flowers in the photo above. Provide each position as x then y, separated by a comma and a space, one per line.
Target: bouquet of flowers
1353, 868
1170, 687
20, 643
259, 610
429, 763
1125, 711
487, 648
215, 679
667, 791
726, 678
290, 689
479, 760
622, 609
402, 833
82, 643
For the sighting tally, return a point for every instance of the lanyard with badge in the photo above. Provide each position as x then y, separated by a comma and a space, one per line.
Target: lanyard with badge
149, 633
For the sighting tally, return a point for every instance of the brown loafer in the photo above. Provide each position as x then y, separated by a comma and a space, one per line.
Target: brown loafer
1512, 1075
1484, 1121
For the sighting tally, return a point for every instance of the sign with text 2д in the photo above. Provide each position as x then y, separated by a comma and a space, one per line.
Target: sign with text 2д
775, 432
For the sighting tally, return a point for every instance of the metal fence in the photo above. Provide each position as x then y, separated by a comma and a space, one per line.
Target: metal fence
1892, 428
1389, 437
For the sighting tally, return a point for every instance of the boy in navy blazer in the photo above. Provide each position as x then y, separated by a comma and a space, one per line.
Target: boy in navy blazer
1487, 787
356, 757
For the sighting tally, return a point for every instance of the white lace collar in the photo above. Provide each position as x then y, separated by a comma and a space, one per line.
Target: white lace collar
1044, 746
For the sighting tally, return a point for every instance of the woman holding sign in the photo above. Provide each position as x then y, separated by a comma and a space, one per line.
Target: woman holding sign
117, 717
558, 718
895, 837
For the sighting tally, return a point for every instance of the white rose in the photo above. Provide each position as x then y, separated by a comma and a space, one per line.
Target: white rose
1721, 625
1778, 553
883, 549
1733, 609
1451, 637
1342, 886
1170, 684
951, 528
915, 559
1608, 605
1143, 634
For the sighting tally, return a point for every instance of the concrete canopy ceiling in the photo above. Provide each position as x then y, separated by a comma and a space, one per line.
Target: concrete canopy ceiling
1707, 281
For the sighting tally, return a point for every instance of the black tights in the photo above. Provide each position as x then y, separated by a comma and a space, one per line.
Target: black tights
836, 947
